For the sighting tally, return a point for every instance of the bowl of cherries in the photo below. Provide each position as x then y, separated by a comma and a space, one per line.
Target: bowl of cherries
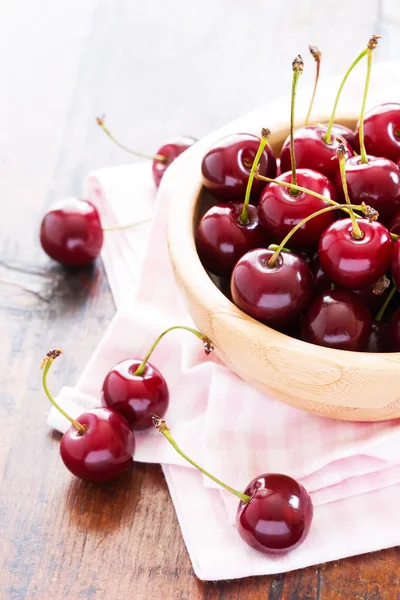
285, 244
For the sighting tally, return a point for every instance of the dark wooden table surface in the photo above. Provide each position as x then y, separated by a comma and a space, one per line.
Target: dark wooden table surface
157, 69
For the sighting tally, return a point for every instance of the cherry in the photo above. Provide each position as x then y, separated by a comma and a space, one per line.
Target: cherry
226, 166
275, 512
395, 264
278, 516
347, 134
394, 332
274, 293
99, 445
227, 231
382, 131
337, 319
170, 152
71, 232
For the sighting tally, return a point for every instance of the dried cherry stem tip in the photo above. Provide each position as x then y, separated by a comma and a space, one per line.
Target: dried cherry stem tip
162, 427
316, 54
265, 135
159, 157
208, 346
46, 364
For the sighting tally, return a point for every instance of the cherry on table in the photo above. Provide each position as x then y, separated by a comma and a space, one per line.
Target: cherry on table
170, 152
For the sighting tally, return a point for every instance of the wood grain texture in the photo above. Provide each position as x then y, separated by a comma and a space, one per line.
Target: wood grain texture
61, 64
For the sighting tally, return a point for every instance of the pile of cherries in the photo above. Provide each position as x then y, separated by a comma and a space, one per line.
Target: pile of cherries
313, 251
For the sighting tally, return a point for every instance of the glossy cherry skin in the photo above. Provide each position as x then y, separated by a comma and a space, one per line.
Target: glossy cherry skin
136, 397
279, 210
355, 263
221, 239
278, 516
378, 338
275, 296
394, 332
346, 133
226, 167
104, 451
71, 232
376, 183
337, 319
312, 152
395, 264
171, 151
382, 131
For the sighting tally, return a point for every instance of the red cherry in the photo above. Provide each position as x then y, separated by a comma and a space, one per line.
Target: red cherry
136, 397
312, 152
346, 133
377, 183
280, 210
377, 339
102, 452
351, 262
394, 332
171, 151
278, 516
226, 167
337, 319
222, 239
382, 131
394, 223
274, 295
71, 232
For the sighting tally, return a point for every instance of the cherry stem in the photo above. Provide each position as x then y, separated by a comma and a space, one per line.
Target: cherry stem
208, 346
341, 154
129, 226
304, 190
363, 153
297, 66
244, 216
384, 306
46, 364
161, 426
317, 57
159, 157
274, 257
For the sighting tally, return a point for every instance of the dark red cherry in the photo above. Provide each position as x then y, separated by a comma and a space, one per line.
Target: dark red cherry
394, 223
136, 397
226, 167
278, 516
221, 238
346, 133
394, 332
382, 131
376, 183
312, 152
280, 210
355, 263
377, 339
104, 451
274, 295
337, 319
71, 232
171, 151
395, 264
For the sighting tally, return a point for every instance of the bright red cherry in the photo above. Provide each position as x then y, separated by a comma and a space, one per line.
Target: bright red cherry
278, 516
280, 209
136, 397
104, 451
312, 152
274, 295
222, 239
337, 319
170, 151
71, 232
382, 131
377, 339
376, 182
352, 262
226, 167
394, 332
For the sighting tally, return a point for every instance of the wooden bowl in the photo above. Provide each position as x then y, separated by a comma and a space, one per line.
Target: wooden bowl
334, 383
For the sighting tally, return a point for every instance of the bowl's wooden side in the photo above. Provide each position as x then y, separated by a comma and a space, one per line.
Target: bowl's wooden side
334, 383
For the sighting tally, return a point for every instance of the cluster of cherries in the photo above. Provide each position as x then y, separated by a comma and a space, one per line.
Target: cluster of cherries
303, 250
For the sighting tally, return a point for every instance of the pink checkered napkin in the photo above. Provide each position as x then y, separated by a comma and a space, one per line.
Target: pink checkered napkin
350, 468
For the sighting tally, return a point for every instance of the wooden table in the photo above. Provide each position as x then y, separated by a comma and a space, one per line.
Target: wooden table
157, 68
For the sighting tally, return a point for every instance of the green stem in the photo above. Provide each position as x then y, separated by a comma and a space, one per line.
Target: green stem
384, 306
129, 226
274, 257
159, 157
207, 345
297, 71
244, 216
162, 427
363, 153
327, 136
317, 57
357, 233
47, 364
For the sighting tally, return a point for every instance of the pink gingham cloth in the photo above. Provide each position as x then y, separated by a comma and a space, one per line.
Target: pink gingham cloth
351, 469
